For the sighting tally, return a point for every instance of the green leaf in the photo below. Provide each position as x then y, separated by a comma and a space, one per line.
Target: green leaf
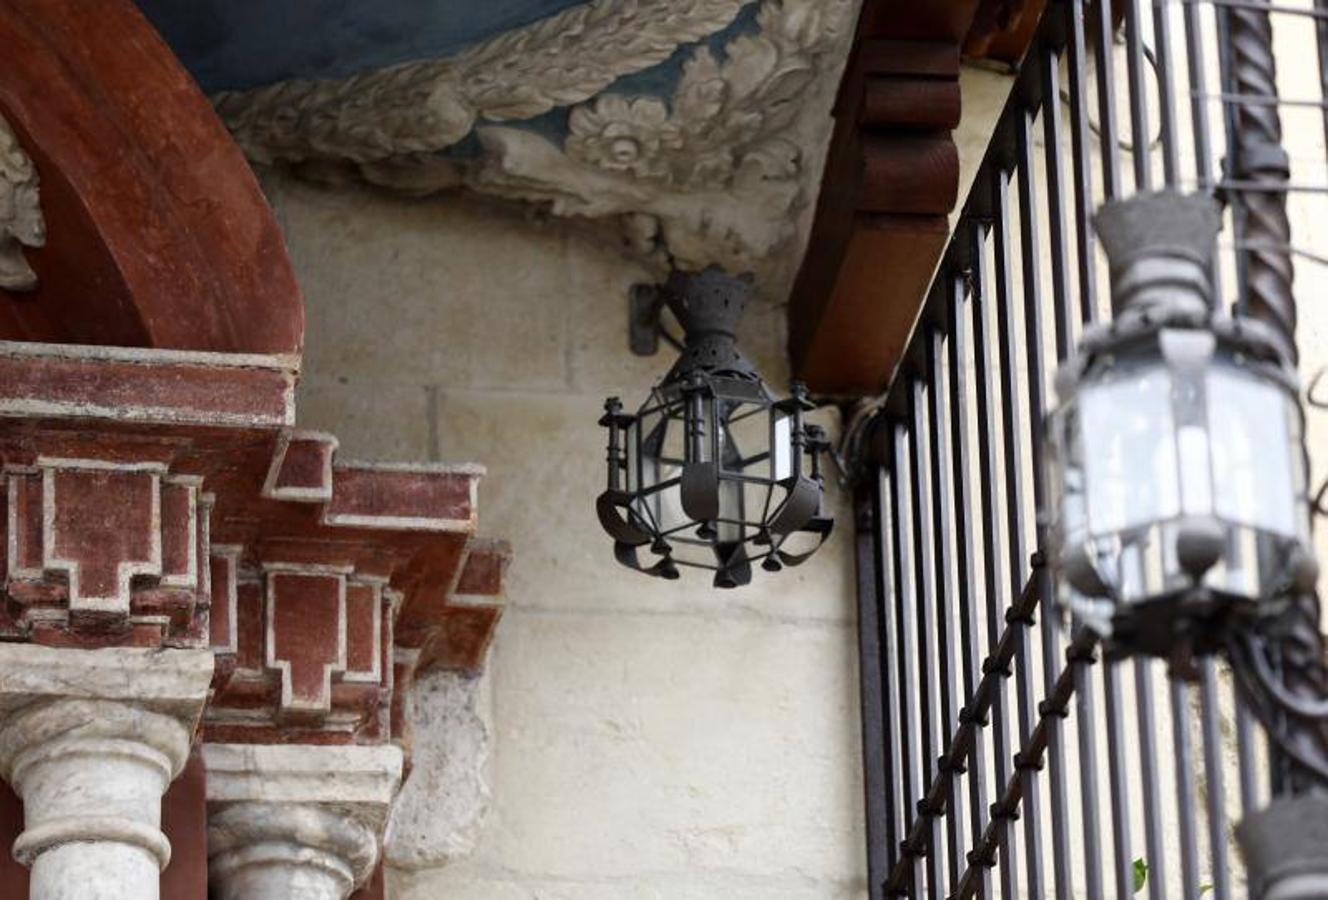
1204, 888
1140, 874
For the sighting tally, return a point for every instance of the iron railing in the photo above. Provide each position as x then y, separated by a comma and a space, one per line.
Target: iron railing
1003, 756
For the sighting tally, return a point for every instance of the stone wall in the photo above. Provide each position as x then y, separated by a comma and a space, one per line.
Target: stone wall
637, 738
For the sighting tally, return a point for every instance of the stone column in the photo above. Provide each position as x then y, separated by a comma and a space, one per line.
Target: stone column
90, 740
292, 822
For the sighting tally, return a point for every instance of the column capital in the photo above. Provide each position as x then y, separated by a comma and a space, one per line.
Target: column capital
90, 739
302, 821
172, 682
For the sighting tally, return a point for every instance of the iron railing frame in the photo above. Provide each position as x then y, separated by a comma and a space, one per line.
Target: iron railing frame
920, 518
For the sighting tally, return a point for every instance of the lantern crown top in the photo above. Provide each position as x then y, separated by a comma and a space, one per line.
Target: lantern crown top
1160, 246
709, 305
1159, 224
709, 301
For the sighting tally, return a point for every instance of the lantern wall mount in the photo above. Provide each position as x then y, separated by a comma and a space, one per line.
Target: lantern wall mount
712, 472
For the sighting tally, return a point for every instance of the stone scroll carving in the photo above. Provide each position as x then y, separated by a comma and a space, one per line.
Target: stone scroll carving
713, 173
21, 222
427, 106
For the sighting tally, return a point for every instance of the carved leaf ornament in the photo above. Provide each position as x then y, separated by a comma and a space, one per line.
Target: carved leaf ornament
711, 175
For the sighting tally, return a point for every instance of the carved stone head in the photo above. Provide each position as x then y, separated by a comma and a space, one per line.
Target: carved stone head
21, 223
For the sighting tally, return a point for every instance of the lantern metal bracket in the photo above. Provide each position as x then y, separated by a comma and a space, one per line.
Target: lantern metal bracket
645, 320
646, 302
707, 308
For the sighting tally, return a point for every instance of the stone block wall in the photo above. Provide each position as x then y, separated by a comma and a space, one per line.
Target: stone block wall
636, 738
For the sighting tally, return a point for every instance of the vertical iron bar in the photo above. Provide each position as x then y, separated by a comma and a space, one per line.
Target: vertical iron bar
1119, 778
907, 631
1213, 764
1185, 801
1088, 768
1166, 89
929, 692
986, 424
964, 534
887, 593
947, 602
1222, 17
1216, 783
1246, 771
1106, 100
1203, 160
1081, 150
1016, 525
1033, 305
1118, 770
1052, 126
1152, 783
1141, 129
876, 759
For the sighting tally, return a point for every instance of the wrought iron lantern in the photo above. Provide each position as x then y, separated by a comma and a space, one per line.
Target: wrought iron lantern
713, 472
1178, 496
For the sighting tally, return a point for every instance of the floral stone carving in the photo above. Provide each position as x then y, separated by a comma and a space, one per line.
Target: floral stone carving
427, 106
21, 222
714, 174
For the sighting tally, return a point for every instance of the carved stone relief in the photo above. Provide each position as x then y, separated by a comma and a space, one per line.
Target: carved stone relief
427, 106
21, 222
716, 173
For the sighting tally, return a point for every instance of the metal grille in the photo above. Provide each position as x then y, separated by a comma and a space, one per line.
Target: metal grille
1003, 756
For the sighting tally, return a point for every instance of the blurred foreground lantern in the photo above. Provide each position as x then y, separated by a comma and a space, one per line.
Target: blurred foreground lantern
1176, 463
712, 472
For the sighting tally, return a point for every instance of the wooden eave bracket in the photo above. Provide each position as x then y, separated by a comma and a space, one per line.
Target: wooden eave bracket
891, 179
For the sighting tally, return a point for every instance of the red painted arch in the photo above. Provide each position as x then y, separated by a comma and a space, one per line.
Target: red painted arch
157, 232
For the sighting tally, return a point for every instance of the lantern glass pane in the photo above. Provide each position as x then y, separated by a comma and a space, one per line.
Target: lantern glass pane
660, 458
781, 447
711, 444
1252, 451
631, 436
756, 496
730, 528
1196, 477
746, 431
665, 506
1130, 450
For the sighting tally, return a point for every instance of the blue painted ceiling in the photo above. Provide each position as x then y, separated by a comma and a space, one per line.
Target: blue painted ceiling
238, 44
231, 44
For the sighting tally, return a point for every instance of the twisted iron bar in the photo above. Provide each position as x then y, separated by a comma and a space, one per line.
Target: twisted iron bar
1281, 668
1261, 159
